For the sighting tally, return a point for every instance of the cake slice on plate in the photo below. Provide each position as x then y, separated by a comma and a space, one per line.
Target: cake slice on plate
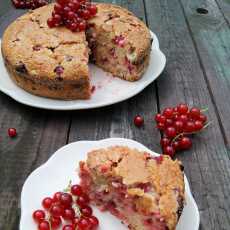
143, 191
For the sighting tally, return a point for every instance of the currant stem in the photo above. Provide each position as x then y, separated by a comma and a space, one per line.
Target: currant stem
184, 133
204, 110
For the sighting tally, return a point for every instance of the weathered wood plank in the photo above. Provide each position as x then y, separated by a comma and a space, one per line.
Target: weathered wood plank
207, 164
224, 6
117, 120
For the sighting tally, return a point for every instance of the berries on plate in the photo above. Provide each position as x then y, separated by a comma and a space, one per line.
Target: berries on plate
73, 14
67, 210
177, 124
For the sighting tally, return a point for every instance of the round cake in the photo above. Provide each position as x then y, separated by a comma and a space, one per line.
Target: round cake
53, 62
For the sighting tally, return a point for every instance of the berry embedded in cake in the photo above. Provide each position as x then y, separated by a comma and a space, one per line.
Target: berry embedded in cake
53, 61
143, 191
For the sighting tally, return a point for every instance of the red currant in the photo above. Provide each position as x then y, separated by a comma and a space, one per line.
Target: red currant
165, 142
158, 117
47, 203
198, 125
169, 150
56, 211
185, 143
202, 118
94, 222
57, 196
39, 215
75, 221
51, 22
176, 145
182, 108
92, 9
189, 127
82, 200
84, 224
168, 112
168, 122
68, 227
170, 132
161, 126
82, 26
66, 199
183, 118
76, 190
138, 121
55, 222
69, 214
58, 9
179, 126
194, 113
86, 211
12, 132
44, 225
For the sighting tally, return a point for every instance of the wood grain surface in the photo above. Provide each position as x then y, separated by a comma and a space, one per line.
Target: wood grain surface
197, 47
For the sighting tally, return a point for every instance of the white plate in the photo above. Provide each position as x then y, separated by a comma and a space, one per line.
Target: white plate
55, 174
109, 90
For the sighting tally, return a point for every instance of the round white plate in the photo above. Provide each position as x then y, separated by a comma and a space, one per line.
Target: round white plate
56, 173
108, 89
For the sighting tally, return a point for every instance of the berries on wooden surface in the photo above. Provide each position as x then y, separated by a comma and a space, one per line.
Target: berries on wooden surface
73, 14
177, 124
67, 210
12, 132
138, 121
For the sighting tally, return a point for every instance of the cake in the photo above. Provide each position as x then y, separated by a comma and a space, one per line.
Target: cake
143, 191
53, 62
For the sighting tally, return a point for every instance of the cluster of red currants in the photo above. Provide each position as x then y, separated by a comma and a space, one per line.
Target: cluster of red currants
72, 13
29, 4
176, 125
70, 209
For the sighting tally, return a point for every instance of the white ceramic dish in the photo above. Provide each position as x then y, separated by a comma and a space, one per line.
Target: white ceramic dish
109, 90
55, 174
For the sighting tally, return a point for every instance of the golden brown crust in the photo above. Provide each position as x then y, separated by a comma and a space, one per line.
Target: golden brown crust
164, 178
33, 51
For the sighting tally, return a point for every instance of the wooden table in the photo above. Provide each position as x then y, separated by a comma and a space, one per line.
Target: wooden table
195, 36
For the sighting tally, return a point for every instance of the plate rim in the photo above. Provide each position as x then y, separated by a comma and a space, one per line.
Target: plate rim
21, 100
121, 141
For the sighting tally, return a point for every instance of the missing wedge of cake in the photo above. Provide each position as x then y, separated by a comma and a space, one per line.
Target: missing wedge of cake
143, 191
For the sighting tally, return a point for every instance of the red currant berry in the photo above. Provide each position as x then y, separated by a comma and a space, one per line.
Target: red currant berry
82, 26
138, 121
176, 145
76, 190
189, 127
82, 200
169, 150
162, 119
92, 9
161, 126
194, 113
179, 126
73, 26
51, 22
69, 214
85, 14
94, 222
68, 227
71, 15
185, 143
62, 2
55, 222
168, 122
57, 19
182, 108
165, 142
58, 9
202, 118
47, 203
183, 118
168, 112
84, 224
56, 211
76, 5
86, 211
170, 132
66, 199
75, 221
158, 117
12, 132
39, 215
44, 225
57, 196
198, 125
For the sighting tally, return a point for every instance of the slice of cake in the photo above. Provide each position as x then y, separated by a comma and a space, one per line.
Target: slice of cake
44, 61
143, 191
120, 43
